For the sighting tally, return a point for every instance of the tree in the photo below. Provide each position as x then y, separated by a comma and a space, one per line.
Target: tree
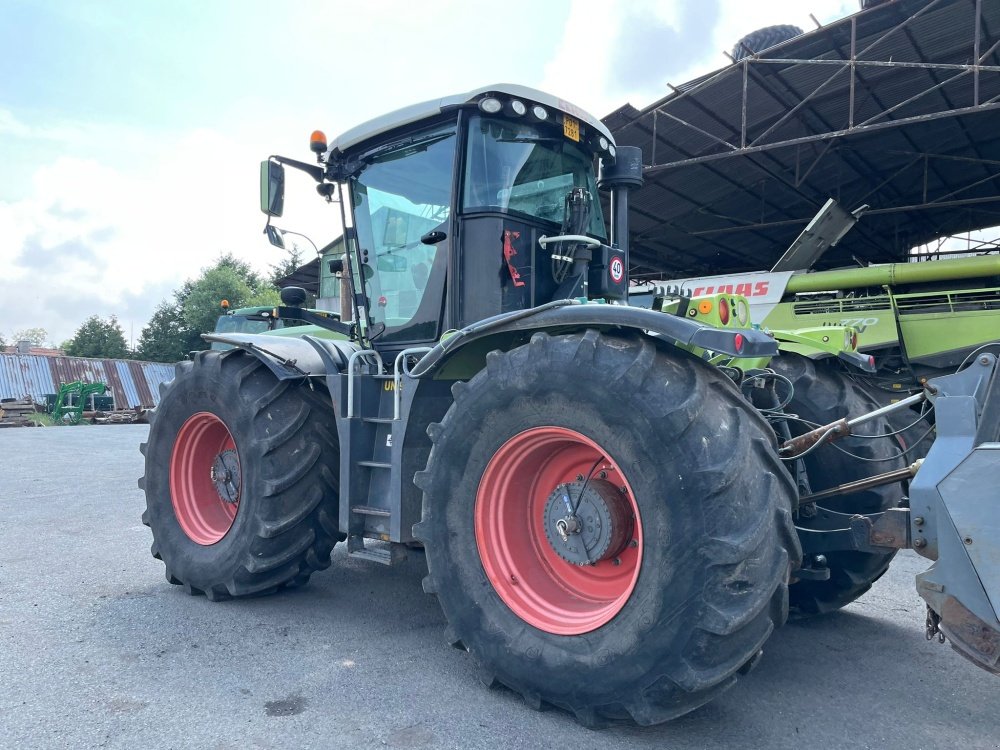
287, 265
3, 342
37, 336
166, 338
99, 338
176, 326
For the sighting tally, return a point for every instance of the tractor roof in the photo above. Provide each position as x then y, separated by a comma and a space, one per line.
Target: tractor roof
425, 110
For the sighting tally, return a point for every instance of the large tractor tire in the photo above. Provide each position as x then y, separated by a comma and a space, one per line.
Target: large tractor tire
607, 527
241, 478
762, 39
823, 395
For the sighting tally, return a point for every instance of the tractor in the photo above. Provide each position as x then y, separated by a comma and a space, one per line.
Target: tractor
613, 510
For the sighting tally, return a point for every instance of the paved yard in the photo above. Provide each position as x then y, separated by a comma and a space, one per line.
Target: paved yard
98, 650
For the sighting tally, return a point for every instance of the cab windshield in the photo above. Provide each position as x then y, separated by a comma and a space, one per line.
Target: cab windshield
527, 169
403, 193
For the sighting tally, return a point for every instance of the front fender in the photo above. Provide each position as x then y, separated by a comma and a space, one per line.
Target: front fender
292, 357
507, 330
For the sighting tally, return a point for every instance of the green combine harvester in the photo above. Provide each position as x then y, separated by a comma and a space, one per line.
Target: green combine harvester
917, 320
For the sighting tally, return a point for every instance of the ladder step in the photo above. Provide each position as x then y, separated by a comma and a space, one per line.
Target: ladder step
384, 555
367, 510
378, 420
375, 464
381, 556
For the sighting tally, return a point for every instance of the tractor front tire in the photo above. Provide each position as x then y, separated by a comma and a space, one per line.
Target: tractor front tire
241, 478
823, 395
683, 498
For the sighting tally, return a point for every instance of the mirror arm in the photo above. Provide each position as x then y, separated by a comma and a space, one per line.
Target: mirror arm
313, 170
317, 319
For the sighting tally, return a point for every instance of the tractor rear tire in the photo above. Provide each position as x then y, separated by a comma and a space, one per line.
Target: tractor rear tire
823, 395
699, 579
241, 478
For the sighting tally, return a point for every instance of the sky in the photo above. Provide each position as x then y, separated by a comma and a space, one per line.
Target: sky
131, 131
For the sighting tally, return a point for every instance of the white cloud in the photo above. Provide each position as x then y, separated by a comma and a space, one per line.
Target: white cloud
118, 213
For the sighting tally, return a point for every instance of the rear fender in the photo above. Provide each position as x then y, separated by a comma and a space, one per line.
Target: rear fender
463, 354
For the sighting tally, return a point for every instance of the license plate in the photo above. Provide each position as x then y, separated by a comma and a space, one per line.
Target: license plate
571, 128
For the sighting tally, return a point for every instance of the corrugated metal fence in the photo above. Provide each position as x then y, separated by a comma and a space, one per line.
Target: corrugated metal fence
131, 383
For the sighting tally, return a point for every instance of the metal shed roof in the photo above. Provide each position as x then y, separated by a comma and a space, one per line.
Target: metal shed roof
896, 107
131, 383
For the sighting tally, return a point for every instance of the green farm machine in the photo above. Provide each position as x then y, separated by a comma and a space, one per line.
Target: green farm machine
915, 320
615, 509
71, 400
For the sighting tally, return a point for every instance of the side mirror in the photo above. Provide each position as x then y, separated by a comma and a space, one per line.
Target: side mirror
272, 188
274, 236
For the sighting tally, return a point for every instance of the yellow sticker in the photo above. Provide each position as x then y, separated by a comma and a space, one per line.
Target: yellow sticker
571, 128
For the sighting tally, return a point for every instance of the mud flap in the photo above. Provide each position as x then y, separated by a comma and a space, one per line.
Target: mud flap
955, 514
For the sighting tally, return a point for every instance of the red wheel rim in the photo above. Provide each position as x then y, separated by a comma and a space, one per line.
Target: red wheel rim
537, 584
200, 510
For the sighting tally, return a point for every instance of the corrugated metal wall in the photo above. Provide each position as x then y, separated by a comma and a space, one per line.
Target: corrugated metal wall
131, 383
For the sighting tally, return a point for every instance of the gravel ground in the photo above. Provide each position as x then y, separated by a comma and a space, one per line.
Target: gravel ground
98, 650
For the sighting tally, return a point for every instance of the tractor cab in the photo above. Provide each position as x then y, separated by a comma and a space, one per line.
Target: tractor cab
463, 208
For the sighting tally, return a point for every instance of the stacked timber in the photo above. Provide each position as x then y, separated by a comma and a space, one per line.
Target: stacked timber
14, 412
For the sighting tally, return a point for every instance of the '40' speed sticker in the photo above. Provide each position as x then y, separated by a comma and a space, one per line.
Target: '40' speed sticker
617, 270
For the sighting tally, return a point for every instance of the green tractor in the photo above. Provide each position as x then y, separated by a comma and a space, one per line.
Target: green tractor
613, 510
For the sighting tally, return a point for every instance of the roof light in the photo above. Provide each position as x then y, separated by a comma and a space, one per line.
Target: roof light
603, 143
490, 105
540, 112
317, 141
518, 106
724, 311
224, 304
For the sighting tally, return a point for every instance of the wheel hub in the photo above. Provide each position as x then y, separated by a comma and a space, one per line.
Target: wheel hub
225, 474
588, 522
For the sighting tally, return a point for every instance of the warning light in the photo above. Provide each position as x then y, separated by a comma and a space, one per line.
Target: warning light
317, 142
738, 342
224, 304
871, 361
724, 311
382, 301
854, 339
705, 306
